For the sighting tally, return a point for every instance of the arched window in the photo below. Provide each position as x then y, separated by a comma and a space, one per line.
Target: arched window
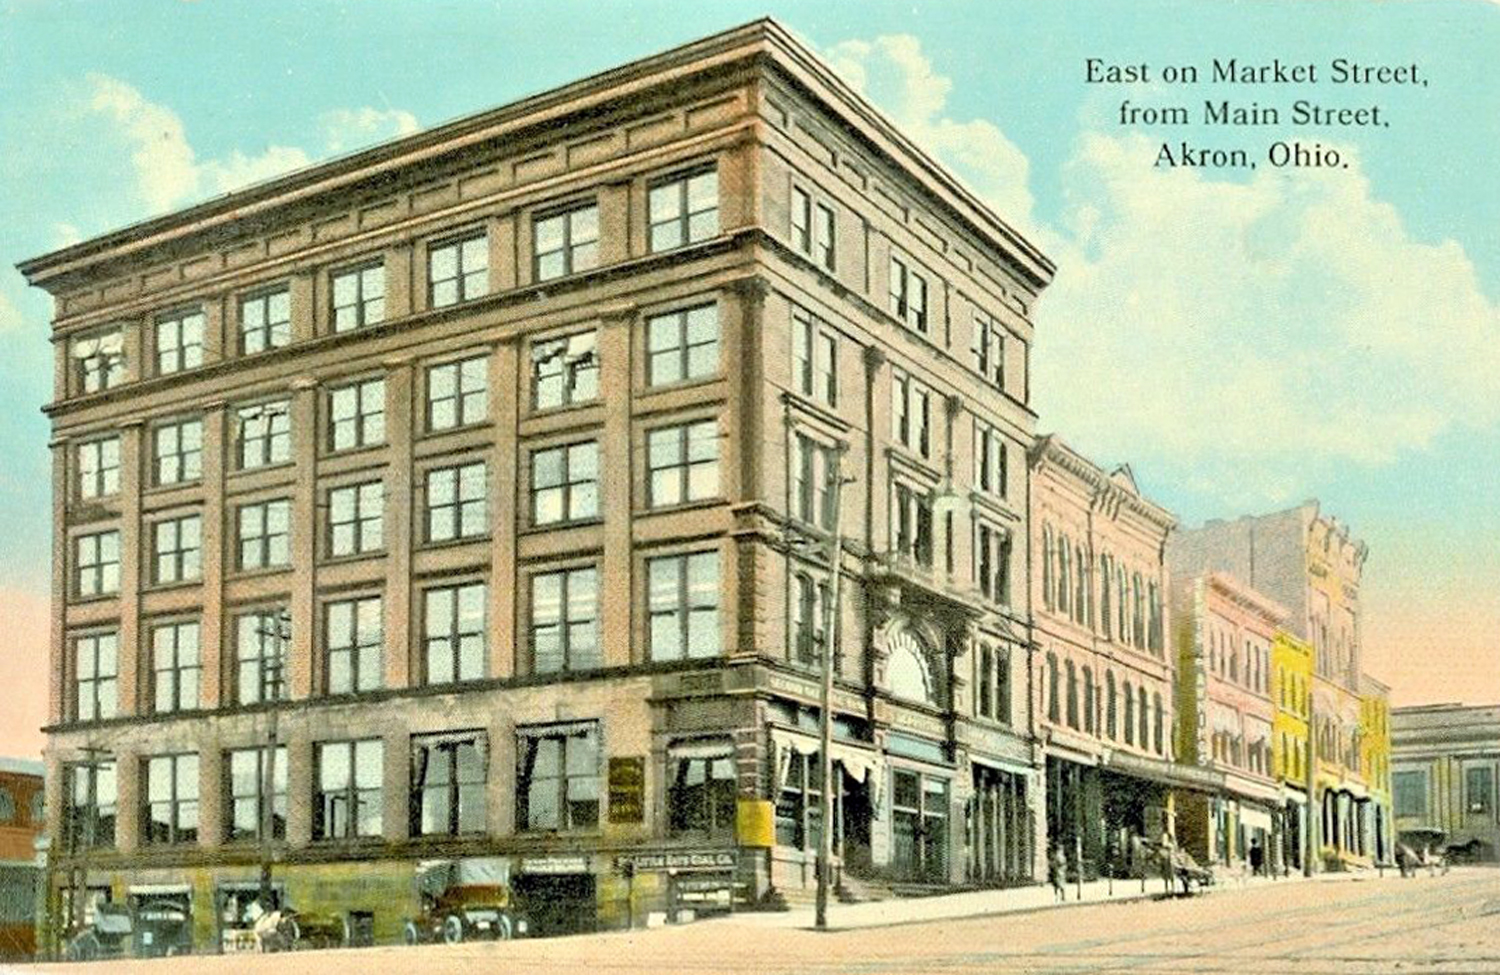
1002, 686
1072, 695
1104, 577
908, 672
1111, 724
1081, 588
1120, 604
1129, 715
1145, 716
1137, 614
1054, 707
1088, 700
986, 675
1064, 577
1048, 563
1159, 718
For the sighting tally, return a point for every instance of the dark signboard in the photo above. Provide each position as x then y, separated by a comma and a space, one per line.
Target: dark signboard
627, 790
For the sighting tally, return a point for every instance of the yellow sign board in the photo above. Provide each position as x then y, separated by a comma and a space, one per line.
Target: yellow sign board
755, 823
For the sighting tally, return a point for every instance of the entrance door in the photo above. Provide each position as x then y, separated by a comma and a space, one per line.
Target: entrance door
163, 924
558, 904
919, 826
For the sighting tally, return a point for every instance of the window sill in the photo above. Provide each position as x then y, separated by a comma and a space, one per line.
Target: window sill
347, 558
430, 432
175, 584
280, 465
98, 597
169, 486
256, 572
447, 543
339, 453
552, 526
537, 412
681, 506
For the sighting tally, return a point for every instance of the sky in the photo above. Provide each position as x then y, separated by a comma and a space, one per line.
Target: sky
1245, 339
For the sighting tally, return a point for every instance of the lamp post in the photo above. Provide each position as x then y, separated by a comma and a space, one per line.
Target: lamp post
830, 647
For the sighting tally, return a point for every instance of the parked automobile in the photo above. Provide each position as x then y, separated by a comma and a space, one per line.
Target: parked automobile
107, 936
463, 900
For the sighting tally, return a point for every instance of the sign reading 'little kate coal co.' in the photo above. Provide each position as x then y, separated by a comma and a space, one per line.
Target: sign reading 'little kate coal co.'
679, 860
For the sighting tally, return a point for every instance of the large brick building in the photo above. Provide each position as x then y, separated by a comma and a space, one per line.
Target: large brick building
22, 823
489, 472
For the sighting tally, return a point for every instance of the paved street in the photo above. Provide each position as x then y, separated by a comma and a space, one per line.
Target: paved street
1422, 925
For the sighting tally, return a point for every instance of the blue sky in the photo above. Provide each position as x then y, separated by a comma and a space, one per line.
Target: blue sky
1245, 340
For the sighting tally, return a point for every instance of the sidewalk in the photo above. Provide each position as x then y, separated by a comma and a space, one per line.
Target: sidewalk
983, 903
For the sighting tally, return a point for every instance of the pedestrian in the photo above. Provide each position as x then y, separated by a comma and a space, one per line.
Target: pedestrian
1057, 870
1166, 848
1257, 857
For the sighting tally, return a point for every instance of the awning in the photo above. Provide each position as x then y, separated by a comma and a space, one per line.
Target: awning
1254, 817
702, 748
857, 763
157, 890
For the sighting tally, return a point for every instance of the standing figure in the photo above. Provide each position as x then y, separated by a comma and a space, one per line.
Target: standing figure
1057, 873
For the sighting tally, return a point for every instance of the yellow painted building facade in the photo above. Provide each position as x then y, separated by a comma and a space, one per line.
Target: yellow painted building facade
1291, 692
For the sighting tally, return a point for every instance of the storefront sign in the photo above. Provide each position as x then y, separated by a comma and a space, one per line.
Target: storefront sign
555, 865
627, 790
686, 860
755, 822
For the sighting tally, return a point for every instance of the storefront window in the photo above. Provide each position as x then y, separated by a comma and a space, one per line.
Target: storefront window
701, 788
919, 825
557, 785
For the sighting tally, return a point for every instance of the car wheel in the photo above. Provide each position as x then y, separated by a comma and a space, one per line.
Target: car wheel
411, 934
503, 928
453, 929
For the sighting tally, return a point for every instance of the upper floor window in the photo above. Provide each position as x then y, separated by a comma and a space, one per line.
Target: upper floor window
458, 270
682, 463
265, 534
684, 208
98, 465
349, 779
683, 606
908, 295
265, 434
356, 519
911, 524
177, 451
99, 360
565, 371
176, 666
359, 297
357, 415
246, 793
557, 778
566, 242
179, 341
456, 505
171, 793
96, 674
1409, 791
565, 620
454, 635
97, 563
813, 228
353, 642
987, 349
261, 641
565, 483
810, 619
447, 783
458, 393
816, 466
1479, 789
266, 321
814, 358
992, 555
91, 797
682, 345
911, 412
178, 549
990, 459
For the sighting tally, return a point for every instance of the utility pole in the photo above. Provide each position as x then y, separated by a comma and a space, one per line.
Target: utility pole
270, 682
1314, 822
830, 647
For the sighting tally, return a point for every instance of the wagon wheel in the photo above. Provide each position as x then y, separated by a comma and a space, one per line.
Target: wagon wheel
503, 928
411, 934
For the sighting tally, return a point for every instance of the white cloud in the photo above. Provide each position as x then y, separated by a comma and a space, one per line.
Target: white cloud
10, 315
893, 73
346, 129
1236, 332
168, 172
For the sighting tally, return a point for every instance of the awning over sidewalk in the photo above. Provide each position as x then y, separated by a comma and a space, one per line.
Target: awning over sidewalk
1167, 773
858, 763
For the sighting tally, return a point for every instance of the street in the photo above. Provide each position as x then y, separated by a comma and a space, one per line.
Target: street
1337, 926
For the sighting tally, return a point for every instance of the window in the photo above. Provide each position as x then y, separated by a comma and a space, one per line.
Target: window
1129, 694
557, 779
909, 671
810, 622
359, 297
992, 556
565, 483
1158, 728
265, 434
176, 666
911, 524
98, 467
264, 533
988, 350
261, 641
990, 459
984, 699
456, 502
356, 519
171, 799
458, 270
682, 463
265, 321
565, 371
454, 643
96, 663
97, 558
682, 345
1089, 707
813, 228
179, 341
99, 361
684, 606
566, 242
246, 774
564, 621
1145, 741
458, 393
1111, 706
801, 220
814, 358
798, 807
178, 451
816, 466
1072, 694
701, 788
1479, 790
911, 413
91, 797
908, 295
357, 415
684, 209
353, 629
349, 789
825, 228
1410, 793
448, 774
178, 549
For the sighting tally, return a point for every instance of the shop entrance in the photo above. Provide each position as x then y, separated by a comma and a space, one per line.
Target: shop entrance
163, 923
919, 826
557, 903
